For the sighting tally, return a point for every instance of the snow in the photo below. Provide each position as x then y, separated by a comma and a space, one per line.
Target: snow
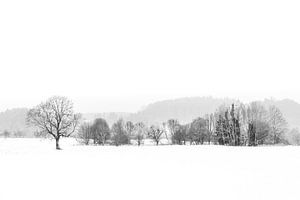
33, 169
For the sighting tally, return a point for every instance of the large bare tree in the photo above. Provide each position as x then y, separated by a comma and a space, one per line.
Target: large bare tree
55, 117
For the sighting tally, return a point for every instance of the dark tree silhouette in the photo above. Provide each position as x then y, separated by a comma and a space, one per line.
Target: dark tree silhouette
198, 131
252, 134
101, 132
155, 133
119, 134
181, 134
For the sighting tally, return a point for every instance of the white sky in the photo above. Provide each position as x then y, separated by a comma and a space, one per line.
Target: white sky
120, 55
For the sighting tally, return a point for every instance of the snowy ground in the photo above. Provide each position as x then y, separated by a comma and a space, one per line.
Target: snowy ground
33, 169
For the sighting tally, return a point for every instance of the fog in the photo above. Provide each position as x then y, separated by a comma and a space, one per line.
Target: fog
121, 55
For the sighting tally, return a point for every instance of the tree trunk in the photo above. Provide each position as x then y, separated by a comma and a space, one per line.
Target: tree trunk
57, 144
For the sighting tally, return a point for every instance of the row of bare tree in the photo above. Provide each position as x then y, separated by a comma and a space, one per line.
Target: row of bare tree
120, 133
243, 125
250, 124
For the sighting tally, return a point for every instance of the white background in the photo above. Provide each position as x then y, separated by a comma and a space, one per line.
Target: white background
120, 55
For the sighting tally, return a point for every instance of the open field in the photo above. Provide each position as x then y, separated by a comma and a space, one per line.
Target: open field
33, 169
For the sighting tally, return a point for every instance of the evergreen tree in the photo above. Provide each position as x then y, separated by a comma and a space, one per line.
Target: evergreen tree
252, 134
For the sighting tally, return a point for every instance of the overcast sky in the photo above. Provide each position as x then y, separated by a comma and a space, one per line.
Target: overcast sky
120, 55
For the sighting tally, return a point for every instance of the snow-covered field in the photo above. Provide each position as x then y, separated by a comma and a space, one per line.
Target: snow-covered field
32, 169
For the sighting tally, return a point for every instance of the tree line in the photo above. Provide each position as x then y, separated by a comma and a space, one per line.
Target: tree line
236, 125
251, 125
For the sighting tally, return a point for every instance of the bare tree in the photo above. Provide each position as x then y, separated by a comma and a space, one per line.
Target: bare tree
244, 122
155, 133
101, 132
55, 117
262, 129
84, 133
293, 136
139, 131
198, 131
173, 126
119, 134
129, 126
256, 112
210, 123
256, 115
277, 124
181, 134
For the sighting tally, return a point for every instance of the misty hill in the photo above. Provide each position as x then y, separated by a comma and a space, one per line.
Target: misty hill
109, 117
187, 109
14, 121
183, 109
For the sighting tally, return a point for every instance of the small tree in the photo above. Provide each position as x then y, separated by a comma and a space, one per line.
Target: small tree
101, 132
180, 135
129, 126
198, 131
139, 131
84, 133
55, 117
119, 135
155, 133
